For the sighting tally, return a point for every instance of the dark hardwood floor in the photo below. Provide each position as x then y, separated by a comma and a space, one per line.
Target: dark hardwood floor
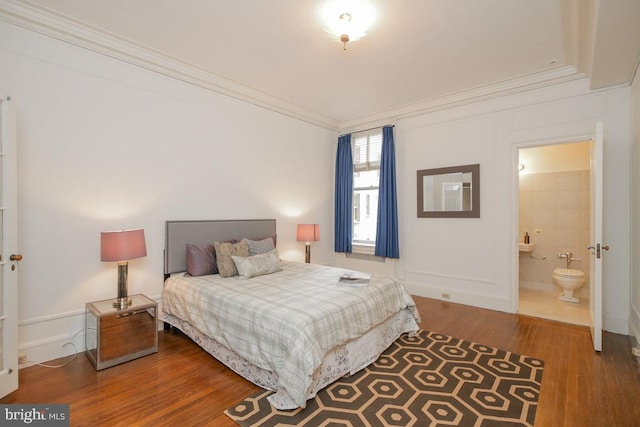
183, 385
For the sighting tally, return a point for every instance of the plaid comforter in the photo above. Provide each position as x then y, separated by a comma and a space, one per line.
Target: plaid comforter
285, 322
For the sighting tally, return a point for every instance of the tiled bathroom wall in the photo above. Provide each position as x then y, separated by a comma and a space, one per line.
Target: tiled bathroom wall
554, 210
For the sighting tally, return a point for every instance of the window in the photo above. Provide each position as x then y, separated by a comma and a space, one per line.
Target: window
356, 208
368, 204
367, 149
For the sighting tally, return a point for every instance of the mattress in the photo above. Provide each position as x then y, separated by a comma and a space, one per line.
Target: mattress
286, 323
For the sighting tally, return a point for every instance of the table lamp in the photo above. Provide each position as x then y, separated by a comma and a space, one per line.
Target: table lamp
308, 233
121, 246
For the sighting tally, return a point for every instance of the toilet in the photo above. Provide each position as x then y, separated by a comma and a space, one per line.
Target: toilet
569, 279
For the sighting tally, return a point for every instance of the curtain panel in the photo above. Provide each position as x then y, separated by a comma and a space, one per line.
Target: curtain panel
344, 194
387, 227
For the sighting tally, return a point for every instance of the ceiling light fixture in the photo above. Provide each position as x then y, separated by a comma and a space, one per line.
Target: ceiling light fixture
348, 20
344, 38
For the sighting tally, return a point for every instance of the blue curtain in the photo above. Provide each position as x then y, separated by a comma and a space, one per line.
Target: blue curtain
344, 194
387, 227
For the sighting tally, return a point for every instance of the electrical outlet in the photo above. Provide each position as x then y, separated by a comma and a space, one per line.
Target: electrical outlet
635, 351
446, 296
22, 359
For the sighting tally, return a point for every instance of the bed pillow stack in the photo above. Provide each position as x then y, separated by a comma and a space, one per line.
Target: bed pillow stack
223, 258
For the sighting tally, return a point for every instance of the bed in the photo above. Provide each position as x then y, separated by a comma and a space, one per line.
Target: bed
293, 330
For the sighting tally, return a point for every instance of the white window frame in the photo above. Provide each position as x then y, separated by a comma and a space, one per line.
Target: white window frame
373, 140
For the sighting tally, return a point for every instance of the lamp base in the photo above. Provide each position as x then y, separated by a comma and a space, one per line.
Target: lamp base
121, 303
307, 253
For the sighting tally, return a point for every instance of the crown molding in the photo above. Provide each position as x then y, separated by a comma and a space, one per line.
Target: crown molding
35, 18
482, 93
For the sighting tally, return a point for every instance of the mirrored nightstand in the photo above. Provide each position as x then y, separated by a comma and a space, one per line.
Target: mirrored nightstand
114, 336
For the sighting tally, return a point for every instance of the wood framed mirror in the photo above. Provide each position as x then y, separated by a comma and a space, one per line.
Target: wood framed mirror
451, 192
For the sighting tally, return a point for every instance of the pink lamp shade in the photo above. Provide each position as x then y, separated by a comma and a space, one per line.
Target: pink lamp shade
308, 233
122, 245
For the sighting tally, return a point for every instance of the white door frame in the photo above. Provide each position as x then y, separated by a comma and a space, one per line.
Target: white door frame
515, 293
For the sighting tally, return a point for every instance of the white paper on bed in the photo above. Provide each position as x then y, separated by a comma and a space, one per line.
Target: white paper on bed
314, 315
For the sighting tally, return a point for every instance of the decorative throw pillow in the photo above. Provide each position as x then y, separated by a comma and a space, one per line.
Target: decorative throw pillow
224, 251
257, 265
257, 247
201, 260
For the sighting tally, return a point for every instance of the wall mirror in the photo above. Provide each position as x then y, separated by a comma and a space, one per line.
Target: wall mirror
452, 192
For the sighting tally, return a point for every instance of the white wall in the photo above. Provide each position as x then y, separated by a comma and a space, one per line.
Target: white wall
105, 145
475, 260
634, 317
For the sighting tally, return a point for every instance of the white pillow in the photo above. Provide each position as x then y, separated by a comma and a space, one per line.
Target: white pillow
257, 265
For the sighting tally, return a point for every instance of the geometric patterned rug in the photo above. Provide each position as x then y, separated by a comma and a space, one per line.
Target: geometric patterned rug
426, 380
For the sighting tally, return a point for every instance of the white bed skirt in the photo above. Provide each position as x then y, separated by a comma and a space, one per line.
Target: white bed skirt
347, 359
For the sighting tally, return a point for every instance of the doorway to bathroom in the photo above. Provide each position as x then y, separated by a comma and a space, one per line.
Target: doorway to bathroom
554, 219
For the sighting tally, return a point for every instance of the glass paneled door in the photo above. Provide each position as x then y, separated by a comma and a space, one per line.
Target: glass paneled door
9, 255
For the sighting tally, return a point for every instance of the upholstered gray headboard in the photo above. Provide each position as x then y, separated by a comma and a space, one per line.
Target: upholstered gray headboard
179, 233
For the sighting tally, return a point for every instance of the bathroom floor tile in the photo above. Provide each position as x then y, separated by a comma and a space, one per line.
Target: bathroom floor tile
545, 304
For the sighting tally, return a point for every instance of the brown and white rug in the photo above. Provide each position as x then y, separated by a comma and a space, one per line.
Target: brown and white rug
428, 380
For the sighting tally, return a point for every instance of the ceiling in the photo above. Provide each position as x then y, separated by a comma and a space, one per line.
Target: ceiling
417, 56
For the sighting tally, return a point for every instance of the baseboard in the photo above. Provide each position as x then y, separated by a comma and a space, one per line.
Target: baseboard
475, 299
613, 324
617, 325
52, 337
